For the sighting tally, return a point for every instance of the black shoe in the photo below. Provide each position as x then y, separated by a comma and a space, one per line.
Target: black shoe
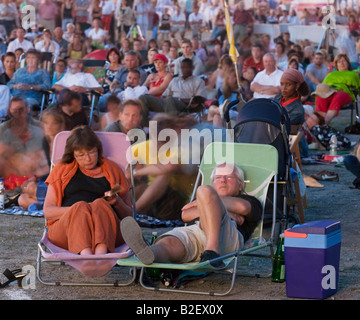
210, 255
356, 183
12, 275
11, 201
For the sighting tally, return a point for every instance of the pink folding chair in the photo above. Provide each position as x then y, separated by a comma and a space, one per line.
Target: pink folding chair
116, 146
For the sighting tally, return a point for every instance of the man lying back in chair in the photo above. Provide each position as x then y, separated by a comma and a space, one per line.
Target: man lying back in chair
227, 217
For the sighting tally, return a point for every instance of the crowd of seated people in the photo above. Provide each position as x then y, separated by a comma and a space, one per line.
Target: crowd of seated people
145, 76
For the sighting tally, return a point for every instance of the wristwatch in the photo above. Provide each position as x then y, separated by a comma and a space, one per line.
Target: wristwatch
31, 88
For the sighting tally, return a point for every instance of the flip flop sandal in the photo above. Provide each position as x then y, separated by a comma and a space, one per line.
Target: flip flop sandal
326, 175
12, 200
133, 237
14, 275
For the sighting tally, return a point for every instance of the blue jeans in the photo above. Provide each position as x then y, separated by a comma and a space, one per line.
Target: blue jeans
353, 165
154, 32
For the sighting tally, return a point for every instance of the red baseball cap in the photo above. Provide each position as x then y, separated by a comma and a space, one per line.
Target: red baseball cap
162, 57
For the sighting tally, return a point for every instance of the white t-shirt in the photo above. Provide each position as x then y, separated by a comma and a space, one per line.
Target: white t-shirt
80, 79
132, 93
108, 7
272, 79
15, 44
96, 35
196, 18
178, 17
40, 47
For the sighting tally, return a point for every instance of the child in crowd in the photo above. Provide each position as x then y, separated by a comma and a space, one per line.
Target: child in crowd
34, 190
112, 112
70, 105
60, 69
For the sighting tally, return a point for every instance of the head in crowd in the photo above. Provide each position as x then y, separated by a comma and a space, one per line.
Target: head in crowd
131, 114
75, 65
160, 62
293, 64
32, 58
292, 83
83, 140
114, 54
9, 61
18, 108
133, 78
60, 66
53, 122
269, 62
70, 102
342, 62
230, 177
131, 60
186, 68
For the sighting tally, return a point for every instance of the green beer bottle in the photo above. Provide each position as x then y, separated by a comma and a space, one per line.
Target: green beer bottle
278, 272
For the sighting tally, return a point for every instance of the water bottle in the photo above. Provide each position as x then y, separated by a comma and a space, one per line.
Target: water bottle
333, 145
2, 194
153, 273
278, 272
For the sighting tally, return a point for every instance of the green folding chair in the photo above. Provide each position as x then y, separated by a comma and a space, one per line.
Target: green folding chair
260, 165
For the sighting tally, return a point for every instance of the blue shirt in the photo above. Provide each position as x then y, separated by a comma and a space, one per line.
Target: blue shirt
39, 77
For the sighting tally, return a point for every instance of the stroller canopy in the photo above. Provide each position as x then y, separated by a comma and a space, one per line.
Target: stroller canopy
264, 121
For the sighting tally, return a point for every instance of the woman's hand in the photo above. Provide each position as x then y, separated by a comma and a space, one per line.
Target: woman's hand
111, 199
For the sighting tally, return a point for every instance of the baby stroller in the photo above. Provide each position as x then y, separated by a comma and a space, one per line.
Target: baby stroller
264, 121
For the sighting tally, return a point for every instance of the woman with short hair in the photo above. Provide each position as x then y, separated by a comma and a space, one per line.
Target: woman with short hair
79, 218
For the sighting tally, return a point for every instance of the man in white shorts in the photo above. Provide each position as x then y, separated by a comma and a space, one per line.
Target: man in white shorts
226, 218
178, 23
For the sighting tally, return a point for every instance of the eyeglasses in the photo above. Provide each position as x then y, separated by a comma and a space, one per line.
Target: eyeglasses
225, 177
82, 155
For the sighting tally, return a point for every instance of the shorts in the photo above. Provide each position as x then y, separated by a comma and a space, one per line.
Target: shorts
175, 29
194, 239
334, 102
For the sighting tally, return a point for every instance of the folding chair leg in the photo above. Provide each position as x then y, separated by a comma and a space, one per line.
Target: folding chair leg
42, 105
299, 202
209, 293
92, 109
40, 261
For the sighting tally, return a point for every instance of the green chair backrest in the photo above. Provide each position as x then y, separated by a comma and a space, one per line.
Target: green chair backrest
258, 161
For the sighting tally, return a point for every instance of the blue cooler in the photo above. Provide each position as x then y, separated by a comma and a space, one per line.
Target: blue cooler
312, 256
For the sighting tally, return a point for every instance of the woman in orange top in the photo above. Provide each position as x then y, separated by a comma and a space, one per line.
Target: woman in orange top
79, 218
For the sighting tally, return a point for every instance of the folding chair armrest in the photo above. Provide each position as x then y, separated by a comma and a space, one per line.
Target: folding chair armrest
195, 103
96, 93
48, 92
354, 90
227, 109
